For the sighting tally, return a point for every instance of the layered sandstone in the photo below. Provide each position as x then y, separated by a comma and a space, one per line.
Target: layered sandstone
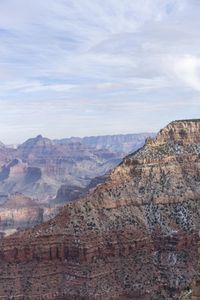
19, 211
183, 131
134, 237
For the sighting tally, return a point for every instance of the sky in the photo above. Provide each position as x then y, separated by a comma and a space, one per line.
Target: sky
96, 67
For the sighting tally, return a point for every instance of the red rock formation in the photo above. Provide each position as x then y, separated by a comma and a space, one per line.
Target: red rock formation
133, 237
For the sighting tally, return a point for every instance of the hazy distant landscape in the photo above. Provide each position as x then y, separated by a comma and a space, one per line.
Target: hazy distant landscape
41, 175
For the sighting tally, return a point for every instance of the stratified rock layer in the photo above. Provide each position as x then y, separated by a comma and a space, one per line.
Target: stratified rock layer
133, 237
120, 143
19, 211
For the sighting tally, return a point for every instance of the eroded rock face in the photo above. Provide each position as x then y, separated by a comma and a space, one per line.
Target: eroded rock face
19, 211
133, 237
185, 131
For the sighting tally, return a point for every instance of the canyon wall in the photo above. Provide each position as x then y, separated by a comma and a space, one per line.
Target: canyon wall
133, 237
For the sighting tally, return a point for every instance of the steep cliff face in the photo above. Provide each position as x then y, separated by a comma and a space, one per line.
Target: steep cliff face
184, 132
133, 237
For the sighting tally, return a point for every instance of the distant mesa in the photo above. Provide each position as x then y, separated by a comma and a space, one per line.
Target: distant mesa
124, 143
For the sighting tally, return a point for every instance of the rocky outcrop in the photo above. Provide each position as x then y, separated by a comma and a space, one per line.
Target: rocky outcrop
183, 131
134, 237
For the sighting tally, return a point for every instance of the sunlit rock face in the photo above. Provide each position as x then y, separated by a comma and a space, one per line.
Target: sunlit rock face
134, 237
183, 132
19, 211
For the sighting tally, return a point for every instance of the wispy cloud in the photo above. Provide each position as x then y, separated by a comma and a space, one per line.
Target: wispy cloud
84, 67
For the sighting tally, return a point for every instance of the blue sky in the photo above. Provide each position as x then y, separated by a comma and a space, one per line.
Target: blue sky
94, 67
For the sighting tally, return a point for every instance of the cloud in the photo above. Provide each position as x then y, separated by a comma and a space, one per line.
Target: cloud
72, 62
186, 69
